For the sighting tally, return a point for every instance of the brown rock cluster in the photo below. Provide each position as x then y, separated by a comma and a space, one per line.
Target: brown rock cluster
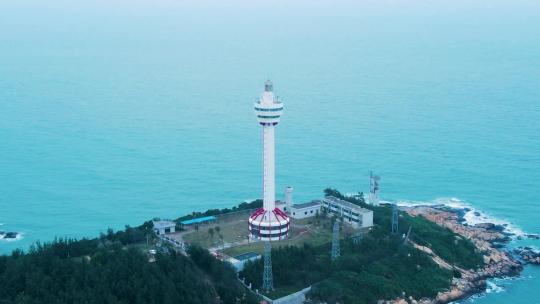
498, 263
528, 255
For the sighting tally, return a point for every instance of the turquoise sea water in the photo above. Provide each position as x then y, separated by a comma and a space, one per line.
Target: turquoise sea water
114, 112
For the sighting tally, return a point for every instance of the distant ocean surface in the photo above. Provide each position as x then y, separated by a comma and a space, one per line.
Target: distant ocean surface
115, 112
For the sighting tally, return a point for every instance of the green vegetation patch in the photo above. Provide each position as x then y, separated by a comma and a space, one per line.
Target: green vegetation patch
113, 269
379, 266
241, 207
230, 230
450, 246
314, 231
366, 272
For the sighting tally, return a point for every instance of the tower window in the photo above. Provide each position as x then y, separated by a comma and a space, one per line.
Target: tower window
268, 86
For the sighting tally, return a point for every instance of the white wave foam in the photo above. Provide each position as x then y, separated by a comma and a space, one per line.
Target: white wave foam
534, 249
493, 288
471, 215
495, 285
17, 238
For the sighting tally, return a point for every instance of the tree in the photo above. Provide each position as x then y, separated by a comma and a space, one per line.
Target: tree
80, 271
211, 233
324, 213
221, 238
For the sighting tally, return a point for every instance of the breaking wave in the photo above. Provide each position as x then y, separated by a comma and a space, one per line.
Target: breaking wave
492, 287
17, 238
471, 215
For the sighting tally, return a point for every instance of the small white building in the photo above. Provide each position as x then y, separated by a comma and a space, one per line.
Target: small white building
239, 261
281, 205
305, 210
164, 227
286, 205
352, 214
288, 198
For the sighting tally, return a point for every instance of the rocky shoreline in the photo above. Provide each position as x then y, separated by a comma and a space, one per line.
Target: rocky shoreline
489, 238
528, 255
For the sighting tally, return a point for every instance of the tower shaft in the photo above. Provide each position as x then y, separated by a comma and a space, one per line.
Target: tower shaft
269, 168
268, 223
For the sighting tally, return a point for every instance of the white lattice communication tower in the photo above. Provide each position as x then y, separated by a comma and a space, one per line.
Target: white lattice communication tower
395, 219
268, 278
373, 197
335, 242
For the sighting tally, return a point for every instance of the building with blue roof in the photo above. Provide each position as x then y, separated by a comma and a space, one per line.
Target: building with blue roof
199, 220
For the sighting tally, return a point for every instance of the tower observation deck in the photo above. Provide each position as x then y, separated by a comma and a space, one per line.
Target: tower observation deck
268, 223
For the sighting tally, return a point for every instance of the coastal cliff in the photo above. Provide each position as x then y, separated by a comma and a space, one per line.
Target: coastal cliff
487, 239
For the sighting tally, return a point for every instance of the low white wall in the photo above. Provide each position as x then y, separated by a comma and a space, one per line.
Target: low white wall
294, 298
300, 213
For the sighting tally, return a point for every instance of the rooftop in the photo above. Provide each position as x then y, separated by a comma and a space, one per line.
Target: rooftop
347, 204
199, 220
306, 205
163, 224
246, 256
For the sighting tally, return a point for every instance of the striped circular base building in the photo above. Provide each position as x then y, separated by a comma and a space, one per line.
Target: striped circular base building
268, 225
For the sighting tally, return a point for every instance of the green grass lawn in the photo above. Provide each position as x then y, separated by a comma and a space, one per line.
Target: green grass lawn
316, 235
314, 231
232, 228
232, 231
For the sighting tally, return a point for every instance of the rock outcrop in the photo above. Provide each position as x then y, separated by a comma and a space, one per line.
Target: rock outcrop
487, 238
528, 255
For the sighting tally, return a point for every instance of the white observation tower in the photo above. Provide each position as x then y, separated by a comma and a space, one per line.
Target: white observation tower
268, 223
